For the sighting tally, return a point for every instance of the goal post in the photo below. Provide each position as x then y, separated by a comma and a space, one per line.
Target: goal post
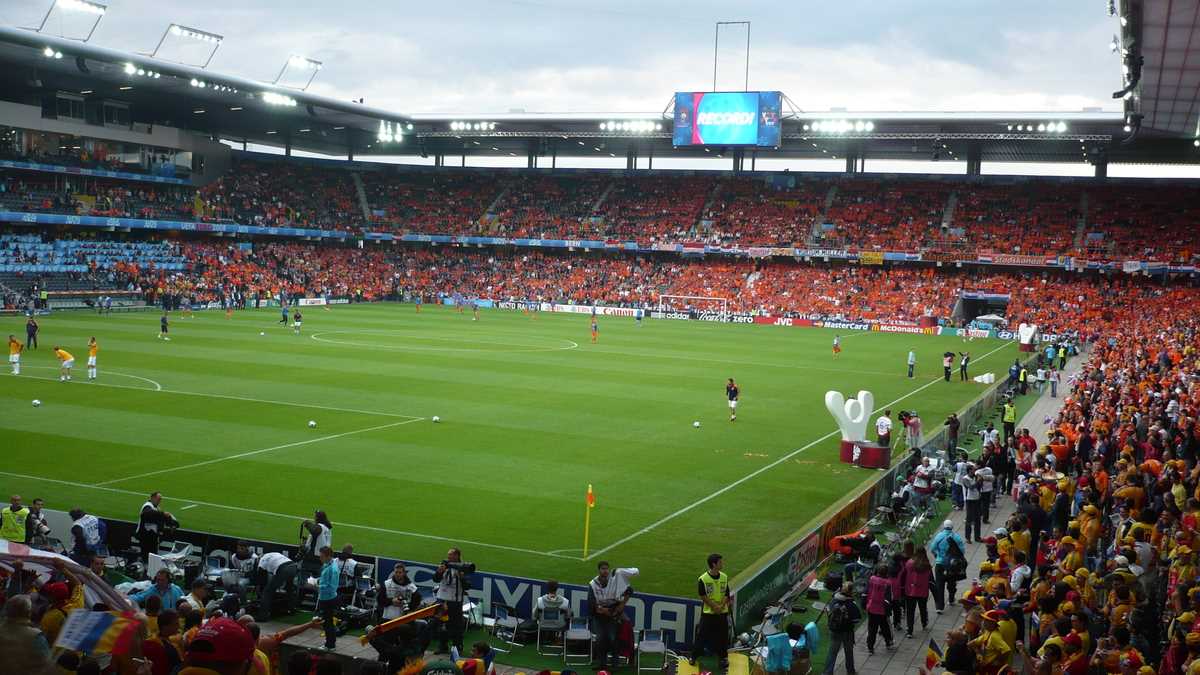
699, 303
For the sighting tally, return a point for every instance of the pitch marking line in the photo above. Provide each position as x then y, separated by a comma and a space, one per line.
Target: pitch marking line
753, 474
157, 386
225, 396
273, 514
189, 506
259, 452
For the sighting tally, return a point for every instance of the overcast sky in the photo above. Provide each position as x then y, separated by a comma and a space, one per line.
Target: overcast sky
628, 56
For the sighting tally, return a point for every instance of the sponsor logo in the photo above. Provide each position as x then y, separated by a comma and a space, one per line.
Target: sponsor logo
898, 328
844, 325
677, 316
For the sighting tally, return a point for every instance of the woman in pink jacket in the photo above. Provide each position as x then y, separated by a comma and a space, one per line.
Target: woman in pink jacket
915, 580
879, 597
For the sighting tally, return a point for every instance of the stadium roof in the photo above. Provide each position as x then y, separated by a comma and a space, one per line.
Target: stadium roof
1170, 79
233, 107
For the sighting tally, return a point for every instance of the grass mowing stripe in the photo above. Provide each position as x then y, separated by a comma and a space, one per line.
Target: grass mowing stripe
236, 398
259, 452
760, 470
370, 528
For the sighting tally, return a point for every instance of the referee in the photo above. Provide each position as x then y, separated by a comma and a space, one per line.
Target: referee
712, 634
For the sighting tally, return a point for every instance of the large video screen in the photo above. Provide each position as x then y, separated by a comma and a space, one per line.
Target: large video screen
728, 118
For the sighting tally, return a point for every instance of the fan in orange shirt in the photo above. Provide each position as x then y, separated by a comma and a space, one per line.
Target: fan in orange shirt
66, 363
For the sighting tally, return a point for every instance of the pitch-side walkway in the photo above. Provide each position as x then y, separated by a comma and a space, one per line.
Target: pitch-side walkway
909, 655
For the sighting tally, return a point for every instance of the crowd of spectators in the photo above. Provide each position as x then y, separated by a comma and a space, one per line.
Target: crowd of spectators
79, 195
1095, 571
280, 194
1145, 222
884, 215
207, 270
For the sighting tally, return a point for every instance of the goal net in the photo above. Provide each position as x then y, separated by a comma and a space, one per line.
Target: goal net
695, 303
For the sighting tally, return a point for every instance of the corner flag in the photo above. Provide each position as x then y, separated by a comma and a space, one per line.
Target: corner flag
590, 501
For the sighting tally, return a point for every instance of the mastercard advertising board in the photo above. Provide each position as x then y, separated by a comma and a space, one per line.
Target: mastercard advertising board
748, 118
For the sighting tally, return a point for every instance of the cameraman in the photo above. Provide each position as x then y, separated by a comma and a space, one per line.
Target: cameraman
952, 425
451, 577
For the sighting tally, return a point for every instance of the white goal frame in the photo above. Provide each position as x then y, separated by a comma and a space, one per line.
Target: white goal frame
724, 302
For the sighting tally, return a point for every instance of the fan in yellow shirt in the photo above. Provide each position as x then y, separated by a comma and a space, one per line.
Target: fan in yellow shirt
66, 362
14, 354
92, 349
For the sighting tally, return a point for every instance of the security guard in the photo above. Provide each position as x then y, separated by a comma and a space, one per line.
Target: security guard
1010, 420
13, 521
1023, 379
713, 631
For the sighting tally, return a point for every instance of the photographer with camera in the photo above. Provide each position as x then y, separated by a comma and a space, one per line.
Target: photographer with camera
152, 524
451, 578
607, 595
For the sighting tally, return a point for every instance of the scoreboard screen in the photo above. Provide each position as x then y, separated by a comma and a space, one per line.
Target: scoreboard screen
749, 118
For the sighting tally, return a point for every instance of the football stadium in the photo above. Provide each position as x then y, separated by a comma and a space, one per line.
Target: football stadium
339, 369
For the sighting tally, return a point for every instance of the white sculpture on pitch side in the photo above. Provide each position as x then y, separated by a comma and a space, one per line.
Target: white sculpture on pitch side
852, 416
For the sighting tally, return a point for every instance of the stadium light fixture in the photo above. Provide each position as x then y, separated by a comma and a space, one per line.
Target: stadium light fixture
133, 69
188, 35
301, 64
51, 53
1196, 143
389, 132
80, 8
273, 98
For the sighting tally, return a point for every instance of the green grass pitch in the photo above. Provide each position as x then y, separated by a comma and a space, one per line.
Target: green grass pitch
531, 412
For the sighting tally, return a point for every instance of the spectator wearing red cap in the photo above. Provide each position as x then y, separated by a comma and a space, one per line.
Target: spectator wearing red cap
221, 647
58, 595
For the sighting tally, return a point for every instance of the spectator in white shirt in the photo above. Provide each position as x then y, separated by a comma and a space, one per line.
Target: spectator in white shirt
883, 429
1020, 574
198, 598
552, 599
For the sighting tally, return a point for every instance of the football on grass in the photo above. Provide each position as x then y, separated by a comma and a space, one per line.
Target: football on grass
436, 419
36, 403
312, 424
696, 424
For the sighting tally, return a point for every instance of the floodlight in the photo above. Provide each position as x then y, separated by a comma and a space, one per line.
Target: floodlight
859, 126
1041, 127
1196, 143
193, 36
1062, 126
658, 127
302, 64
870, 126
78, 7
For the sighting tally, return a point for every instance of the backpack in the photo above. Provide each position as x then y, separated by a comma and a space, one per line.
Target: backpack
841, 620
956, 561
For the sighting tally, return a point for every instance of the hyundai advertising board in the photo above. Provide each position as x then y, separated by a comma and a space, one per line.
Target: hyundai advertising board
750, 118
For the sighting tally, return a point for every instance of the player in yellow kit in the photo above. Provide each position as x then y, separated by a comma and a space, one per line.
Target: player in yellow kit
14, 353
66, 363
92, 349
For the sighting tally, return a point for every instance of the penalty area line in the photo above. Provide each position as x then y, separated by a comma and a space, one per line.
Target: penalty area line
251, 453
757, 472
273, 514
